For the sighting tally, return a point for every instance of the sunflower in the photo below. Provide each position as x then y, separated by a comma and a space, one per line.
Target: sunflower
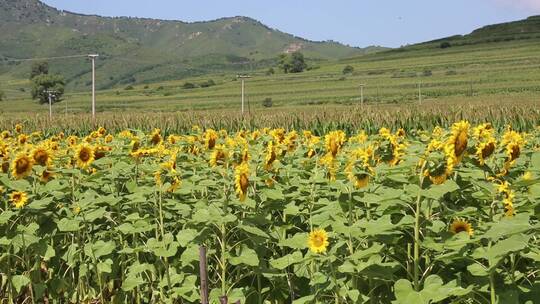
334, 141
437, 163
46, 176
513, 143
18, 128
109, 138
485, 150
84, 154
41, 156
22, 139
458, 140
358, 170
155, 137
210, 138
460, 225
22, 166
18, 199
318, 241
241, 180
219, 156
101, 131
271, 155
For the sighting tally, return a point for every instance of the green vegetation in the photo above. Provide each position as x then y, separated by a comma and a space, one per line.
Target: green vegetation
45, 87
137, 50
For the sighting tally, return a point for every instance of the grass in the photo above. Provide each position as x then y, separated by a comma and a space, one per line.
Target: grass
503, 71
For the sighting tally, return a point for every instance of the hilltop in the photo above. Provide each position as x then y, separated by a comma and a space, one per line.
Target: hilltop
137, 50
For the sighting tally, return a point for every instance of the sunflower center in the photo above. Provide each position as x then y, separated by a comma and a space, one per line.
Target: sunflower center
461, 143
244, 182
460, 228
84, 155
318, 240
488, 150
22, 165
41, 157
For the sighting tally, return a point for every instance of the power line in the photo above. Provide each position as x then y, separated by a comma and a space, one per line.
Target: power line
44, 58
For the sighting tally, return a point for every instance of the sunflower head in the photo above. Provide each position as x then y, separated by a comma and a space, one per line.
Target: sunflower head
219, 156
334, 141
460, 225
46, 176
18, 128
318, 241
155, 137
241, 179
41, 156
271, 155
84, 155
459, 139
18, 199
210, 138
21, 166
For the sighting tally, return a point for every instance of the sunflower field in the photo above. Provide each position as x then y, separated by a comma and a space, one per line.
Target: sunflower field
449, 215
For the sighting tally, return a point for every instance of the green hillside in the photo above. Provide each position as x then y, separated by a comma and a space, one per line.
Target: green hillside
135, 50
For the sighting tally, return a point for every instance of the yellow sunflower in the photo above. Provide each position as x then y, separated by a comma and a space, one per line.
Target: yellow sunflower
271, 155
318, 241
18, 128
210, 138
334, 141
41, 156
22, 166
458, 141
155, 137
460, 225
84, 155
241, 181
18, 199
46, 176
219, 156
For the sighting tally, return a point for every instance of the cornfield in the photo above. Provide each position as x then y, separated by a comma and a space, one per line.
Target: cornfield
415, 213
521, 116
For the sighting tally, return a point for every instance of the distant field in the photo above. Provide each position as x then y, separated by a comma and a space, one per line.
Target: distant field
503, 71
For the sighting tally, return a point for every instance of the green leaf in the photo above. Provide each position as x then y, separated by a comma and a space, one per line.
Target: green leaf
186, 236
273, 194
99, 249
306, 299
298, 241
19, 281
508, 226
286, 261
68, 225
247, 256
131, 282
5, 216
438, 191
253, 230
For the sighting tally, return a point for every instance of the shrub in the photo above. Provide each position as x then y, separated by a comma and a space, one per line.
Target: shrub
427, 73
189, 85
445, 45
128, 88
348, 69
267, 102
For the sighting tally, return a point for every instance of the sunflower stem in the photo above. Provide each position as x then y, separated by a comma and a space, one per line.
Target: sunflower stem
416, 253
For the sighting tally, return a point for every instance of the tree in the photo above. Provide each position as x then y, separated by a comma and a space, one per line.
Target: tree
267, 102
43, 83
270, 71
348, 69
445, 45
294, 63
298, 63
39, 68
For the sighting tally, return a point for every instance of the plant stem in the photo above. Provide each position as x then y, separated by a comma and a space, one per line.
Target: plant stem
416, 252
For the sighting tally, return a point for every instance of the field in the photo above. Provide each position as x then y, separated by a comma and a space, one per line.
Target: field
439, 216
501, 72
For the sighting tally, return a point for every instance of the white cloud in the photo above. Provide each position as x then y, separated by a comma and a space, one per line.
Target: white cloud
528, 5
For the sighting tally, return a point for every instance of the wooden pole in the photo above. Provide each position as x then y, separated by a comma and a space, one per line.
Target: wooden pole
203, 270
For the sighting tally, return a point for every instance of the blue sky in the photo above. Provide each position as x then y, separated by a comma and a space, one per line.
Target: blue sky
354, 22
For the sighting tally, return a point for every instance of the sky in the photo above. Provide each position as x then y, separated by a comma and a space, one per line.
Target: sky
361, 23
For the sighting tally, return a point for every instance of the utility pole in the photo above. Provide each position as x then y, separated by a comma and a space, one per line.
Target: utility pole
93, 58
420, 92
362, 94
50, 94
243, 78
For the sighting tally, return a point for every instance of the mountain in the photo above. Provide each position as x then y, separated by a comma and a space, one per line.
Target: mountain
137, 50
526, 29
